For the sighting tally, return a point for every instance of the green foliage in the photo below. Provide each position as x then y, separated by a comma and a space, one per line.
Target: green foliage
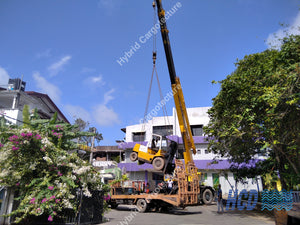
116, 158
91, 134
54, 119
257, 111
34, 161
26, 116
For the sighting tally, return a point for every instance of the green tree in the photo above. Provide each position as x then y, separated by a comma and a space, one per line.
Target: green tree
257, 111
26, 116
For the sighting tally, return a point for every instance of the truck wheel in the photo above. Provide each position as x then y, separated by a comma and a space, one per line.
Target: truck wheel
133, 156
141, 205
207, 196
158, 163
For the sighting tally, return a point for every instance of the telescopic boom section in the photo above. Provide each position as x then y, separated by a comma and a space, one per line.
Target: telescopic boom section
184, 124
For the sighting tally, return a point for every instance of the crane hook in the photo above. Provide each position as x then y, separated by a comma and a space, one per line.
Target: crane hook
154, 57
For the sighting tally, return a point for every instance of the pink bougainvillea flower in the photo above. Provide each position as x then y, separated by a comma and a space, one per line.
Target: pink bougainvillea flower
14, 148
50, 219
51, 188
107, 197
37, 136
52, 197
57, 200
44, 200
32, 201
59, 173
18, 184
13, 138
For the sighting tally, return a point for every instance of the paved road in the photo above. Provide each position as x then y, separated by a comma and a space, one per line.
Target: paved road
201, 215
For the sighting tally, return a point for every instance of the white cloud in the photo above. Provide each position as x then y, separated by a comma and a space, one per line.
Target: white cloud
58, 66
105, 116
108, 96
95, 81
3, 77
98, 79
106, 3
78, 112
44, 54
110, 5
46, 87
274, 40
87, 70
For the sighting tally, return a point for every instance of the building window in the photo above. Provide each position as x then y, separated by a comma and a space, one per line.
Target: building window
198, 151
206, 151
197, 130
138, 136
163, 130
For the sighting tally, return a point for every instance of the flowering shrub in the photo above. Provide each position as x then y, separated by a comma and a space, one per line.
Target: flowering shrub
44, 176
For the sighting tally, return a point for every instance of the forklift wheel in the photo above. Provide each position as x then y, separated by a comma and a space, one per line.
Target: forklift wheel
133, 156
158, 163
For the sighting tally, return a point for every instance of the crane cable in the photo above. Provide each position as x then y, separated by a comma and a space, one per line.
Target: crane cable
163, 103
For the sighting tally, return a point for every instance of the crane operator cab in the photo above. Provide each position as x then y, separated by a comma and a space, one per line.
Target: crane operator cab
156, 152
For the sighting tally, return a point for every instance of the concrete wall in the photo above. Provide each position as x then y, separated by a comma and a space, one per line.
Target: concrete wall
136, 175
13, 113
6, 206
197, 116
229, 183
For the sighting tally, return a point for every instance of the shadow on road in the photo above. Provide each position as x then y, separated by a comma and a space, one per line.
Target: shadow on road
182, 212
171, 211
245, 213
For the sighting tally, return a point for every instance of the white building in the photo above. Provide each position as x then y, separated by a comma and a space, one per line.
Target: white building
12, 101
213, 174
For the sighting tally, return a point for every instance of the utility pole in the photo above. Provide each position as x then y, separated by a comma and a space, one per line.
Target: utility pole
92, 147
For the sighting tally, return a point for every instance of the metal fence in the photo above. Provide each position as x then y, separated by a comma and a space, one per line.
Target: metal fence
296, 196
89, 211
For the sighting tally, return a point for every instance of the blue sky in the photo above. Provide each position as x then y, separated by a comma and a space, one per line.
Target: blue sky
70, 51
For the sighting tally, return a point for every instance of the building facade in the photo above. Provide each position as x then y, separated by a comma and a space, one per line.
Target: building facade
212, 173
12, 101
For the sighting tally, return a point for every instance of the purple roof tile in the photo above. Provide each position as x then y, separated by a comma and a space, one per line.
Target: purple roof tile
134, 166
126, 145
200, 164
212, 165
197, 139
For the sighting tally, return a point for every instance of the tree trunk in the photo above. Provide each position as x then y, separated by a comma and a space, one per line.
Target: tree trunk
281, 217
280, 166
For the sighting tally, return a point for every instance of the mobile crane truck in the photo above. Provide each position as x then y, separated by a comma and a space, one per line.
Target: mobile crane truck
188, 191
